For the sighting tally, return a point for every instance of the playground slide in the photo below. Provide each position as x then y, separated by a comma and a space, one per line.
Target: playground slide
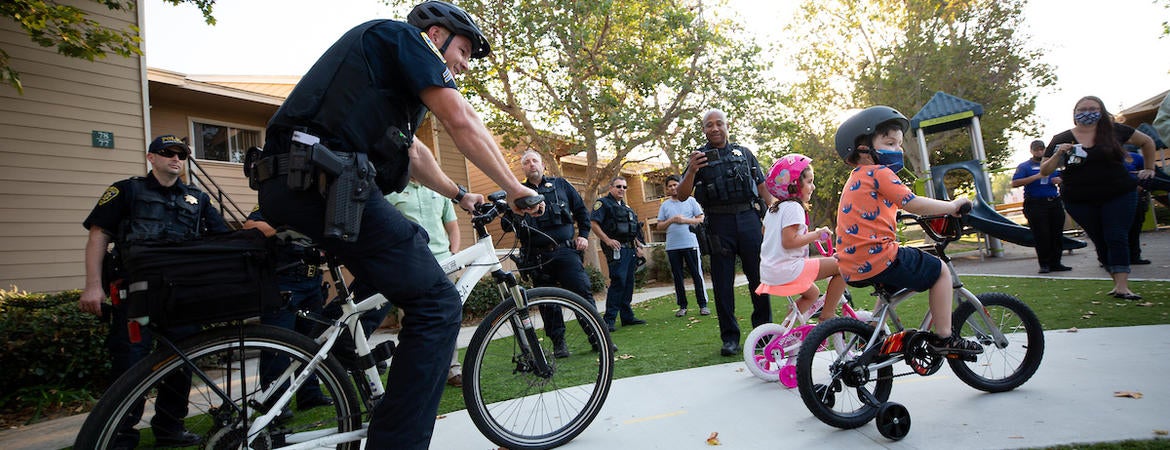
987, 220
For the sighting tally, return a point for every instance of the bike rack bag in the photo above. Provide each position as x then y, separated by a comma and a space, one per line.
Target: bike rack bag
213, 279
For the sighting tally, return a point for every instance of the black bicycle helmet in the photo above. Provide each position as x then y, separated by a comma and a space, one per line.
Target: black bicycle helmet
451, 17
865, 123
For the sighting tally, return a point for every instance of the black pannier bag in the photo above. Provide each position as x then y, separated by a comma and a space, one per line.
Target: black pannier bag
213, 279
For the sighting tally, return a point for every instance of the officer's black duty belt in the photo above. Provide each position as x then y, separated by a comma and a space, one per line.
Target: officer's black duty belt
628, 244
727, 209
271, 167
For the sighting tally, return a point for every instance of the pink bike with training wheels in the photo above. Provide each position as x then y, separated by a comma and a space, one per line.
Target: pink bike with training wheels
770, 350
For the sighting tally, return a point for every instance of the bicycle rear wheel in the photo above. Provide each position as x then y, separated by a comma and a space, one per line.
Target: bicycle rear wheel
514, 406
830, 380
229, 359
999, 369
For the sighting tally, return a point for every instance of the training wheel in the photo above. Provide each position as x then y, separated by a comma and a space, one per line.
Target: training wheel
893, 421
788, 376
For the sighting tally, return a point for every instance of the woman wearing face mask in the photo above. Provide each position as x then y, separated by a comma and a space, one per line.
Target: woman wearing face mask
1098, 192
1043, 208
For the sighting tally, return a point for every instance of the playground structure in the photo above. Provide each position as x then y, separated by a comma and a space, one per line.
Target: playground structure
946, 112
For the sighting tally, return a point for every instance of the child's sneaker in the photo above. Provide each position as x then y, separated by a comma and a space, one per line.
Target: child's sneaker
954, 345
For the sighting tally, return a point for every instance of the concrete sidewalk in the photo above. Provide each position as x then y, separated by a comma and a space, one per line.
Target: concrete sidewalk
1070, 400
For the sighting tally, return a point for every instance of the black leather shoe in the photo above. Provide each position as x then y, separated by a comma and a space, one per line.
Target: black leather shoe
1139, 262
729, 349
1043, 269
636, 321
182, 439
313, 402
1061, 268
611, 328
560, 350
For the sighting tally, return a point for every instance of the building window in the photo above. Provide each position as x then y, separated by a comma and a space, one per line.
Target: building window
216, 142
653, 190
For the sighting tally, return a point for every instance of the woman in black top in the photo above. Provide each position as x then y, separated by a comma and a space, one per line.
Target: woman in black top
1098, 192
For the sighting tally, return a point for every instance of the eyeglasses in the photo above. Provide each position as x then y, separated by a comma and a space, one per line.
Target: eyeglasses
167, 153
621, 186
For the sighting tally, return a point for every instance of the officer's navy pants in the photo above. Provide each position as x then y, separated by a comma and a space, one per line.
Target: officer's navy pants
565, 267
391, 255
621, 286
741, 235
305, 294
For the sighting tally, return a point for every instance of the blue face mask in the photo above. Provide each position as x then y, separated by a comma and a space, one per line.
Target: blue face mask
890, 158
1087, 117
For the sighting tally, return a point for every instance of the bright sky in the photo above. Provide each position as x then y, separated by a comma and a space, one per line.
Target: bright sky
1110, 50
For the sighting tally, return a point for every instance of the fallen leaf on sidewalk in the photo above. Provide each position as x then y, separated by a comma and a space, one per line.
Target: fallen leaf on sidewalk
1161, 432
1129, 394
713, 439
1073, 330
1015, 437
440, 417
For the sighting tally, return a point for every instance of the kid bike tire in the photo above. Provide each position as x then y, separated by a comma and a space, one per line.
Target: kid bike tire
825, 387
999, 369
516, 408
229, 358
764, 366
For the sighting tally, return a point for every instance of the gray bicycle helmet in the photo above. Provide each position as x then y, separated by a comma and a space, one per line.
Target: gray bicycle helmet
865, 123
451, 17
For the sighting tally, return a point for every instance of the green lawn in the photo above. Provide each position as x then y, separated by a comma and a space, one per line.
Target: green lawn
668, 343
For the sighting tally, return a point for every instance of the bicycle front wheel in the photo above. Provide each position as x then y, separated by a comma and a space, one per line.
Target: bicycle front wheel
223, 396
512, 399
830, 378
999, 369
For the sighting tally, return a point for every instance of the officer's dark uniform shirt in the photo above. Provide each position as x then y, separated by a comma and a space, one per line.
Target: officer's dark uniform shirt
116, 205
563, 208
367, 82
617, 219
729, 182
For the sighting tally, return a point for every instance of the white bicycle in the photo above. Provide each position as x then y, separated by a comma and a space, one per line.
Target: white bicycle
516, 393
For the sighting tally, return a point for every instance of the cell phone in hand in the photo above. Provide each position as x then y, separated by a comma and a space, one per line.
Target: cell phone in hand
712, 155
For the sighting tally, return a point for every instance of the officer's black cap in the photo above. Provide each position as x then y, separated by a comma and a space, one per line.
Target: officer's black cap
169, 141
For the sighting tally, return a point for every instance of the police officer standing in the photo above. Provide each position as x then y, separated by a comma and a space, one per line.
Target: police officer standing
617, 229
359, 105
550, 247
157, 207
726, 179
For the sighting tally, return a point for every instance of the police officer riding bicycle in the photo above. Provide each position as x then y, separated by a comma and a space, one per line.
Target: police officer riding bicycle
340, 140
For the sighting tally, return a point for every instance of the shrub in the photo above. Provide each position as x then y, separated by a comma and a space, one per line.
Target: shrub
49, 341
484, 296
597, 281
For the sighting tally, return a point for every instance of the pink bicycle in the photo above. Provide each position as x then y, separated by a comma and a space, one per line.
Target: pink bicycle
770, 350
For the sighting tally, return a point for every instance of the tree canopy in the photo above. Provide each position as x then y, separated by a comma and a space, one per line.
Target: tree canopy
74, 33
899, 53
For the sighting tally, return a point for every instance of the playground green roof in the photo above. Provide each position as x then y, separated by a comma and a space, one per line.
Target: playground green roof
945, 112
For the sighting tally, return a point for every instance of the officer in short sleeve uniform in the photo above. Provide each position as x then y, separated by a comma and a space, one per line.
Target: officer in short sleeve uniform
551, 250
728, 187
143, 209
616, 226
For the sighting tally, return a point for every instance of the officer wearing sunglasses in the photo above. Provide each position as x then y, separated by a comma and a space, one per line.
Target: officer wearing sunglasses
157, 207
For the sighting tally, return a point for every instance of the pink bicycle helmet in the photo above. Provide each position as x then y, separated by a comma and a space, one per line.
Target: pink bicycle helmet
783, 180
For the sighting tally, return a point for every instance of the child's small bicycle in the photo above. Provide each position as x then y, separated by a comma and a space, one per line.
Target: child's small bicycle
770, 350
845, 367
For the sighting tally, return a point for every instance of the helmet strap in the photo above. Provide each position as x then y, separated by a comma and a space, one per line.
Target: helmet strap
443, 48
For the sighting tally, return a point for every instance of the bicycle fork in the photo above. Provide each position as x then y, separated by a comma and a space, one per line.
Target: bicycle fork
522, 326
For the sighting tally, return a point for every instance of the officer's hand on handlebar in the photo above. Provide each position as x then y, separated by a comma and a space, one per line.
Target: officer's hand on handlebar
470, 201
516, 198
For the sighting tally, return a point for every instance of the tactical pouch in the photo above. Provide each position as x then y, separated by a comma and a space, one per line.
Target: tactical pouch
391, 158
213, 279
301, 169
709, 244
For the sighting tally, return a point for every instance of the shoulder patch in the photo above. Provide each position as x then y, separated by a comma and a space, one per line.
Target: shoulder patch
597, 205
110, 193
431, 45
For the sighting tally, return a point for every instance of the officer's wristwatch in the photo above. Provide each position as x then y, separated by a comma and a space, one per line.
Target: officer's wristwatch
459, 196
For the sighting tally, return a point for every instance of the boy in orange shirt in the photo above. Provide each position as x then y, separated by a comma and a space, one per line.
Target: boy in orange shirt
868, 251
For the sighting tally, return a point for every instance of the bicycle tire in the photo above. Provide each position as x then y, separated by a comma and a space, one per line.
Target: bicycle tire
517, 409
999, 369
761, 364
217, 352
822, 384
